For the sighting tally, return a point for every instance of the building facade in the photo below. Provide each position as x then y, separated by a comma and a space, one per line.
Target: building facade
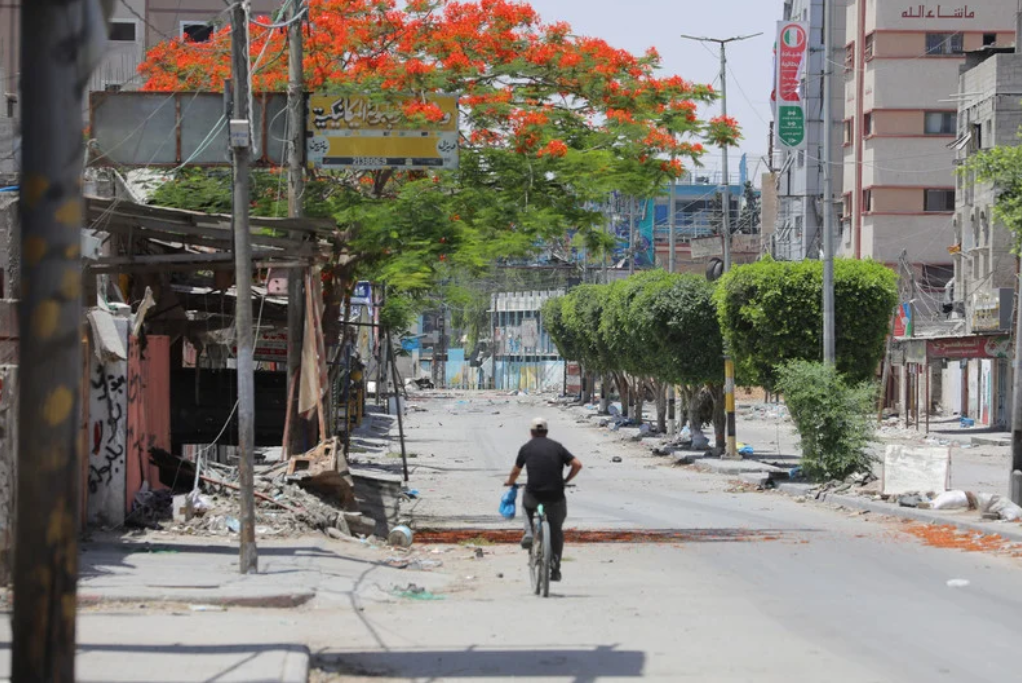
696, 204
797, 232
983, 292
134, 27
901, 68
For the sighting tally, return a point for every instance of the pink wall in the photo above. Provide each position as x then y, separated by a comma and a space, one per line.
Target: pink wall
148, 409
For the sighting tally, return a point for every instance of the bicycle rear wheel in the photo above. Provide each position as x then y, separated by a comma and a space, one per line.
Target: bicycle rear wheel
547, 559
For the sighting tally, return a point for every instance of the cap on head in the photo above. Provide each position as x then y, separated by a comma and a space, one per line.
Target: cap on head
538, 424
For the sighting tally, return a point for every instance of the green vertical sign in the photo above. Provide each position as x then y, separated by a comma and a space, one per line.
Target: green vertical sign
791, 125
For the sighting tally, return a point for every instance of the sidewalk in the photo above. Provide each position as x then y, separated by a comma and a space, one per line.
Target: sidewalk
144, 602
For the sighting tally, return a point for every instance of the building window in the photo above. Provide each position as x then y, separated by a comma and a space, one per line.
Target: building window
868, 46
939, 200
197, 31
944, 44
941, 123
867, 124
977, 136
801, 158
989, 39
867, 201
848, 132
850, 57
122, 31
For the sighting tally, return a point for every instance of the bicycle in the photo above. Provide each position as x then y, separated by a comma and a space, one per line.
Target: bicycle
541, 554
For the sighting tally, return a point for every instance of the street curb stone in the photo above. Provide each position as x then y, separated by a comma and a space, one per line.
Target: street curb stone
916, 515
296, 666
268, 601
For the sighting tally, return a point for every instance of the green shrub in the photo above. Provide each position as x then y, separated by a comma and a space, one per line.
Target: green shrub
834, 420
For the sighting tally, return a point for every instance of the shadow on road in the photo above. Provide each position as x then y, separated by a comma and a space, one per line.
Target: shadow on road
581, 665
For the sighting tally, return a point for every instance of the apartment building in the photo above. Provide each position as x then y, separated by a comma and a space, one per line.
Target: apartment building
134, 27
977, 379
901, 69
799, 180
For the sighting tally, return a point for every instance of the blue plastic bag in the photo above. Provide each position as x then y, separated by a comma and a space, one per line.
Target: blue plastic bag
507, 503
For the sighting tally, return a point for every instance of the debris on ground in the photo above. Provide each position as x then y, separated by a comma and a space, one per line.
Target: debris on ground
413, 592
293, 497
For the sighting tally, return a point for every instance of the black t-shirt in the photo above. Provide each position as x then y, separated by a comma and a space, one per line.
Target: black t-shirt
544, 461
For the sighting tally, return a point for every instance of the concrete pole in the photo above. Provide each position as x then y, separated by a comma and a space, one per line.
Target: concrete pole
672, 245
829, 314
295, 192
53, 48
729, 364
240, 64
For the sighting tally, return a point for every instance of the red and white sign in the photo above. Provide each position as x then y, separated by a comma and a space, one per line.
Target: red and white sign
970, 347
789, 110
792, 46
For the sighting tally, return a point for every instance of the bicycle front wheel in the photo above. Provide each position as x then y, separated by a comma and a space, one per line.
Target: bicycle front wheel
536, 561
547, 560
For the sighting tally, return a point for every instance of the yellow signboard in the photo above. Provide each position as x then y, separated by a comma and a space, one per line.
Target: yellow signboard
355, 132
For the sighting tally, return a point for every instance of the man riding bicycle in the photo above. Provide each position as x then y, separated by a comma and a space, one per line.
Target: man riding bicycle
544, 460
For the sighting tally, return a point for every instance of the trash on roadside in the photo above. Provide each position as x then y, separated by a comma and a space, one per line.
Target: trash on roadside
616, 458
397, 562
745, 449
968, 422
957, 583
233, 525
206, 608
911, 501
413, 592
400, 536
951, 500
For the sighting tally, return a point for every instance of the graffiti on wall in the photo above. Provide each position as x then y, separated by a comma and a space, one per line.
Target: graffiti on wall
107, 437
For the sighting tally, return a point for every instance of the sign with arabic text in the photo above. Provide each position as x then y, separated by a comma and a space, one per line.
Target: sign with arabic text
970, 347
790, 113
926, 11
353, 131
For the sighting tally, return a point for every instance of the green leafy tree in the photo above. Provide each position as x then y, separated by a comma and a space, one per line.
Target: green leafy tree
550, 123
1002, 166
834, 419
679, 312
770, 313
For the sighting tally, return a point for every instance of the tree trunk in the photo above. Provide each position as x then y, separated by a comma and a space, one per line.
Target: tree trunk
587, 385
661, 407
638, 399
604, 393
623, 392
719, 416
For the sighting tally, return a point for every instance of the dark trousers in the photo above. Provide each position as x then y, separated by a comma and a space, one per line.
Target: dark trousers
556, 513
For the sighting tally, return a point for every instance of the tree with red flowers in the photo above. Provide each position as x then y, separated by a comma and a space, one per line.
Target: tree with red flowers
551, 123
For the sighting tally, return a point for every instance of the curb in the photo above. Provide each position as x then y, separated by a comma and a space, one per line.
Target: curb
297, 663
882, 508
272, 601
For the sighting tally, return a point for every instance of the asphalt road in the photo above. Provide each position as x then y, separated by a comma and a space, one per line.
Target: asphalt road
761, 588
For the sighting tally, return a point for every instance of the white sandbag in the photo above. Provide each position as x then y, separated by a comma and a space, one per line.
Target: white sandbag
951, 500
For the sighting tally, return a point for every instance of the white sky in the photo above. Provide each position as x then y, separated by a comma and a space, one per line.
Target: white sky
636, 25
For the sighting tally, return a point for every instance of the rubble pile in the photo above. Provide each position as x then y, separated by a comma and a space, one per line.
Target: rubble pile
313, 491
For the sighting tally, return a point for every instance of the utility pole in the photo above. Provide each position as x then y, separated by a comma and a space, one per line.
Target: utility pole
671, 264
295, 193
829, 352
729, 364
241, 147
60, 41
